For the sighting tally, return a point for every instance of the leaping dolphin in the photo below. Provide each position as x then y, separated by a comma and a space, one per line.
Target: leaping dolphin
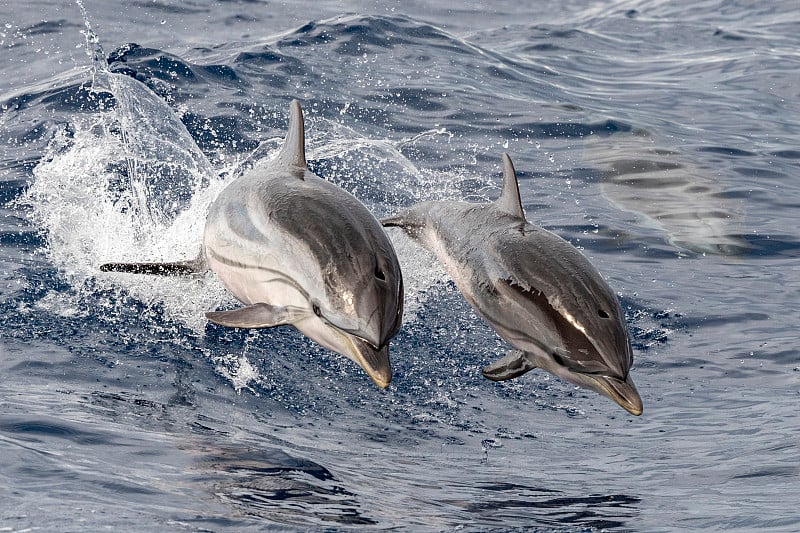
534, 288
297, 249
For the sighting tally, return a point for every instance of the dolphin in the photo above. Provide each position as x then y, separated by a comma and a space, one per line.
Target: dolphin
298, 250
536, 290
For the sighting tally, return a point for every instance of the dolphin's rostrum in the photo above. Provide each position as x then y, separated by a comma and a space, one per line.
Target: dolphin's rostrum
297, 249
534, 288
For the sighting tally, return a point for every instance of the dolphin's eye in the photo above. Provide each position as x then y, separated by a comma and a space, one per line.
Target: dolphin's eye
602, 313
316, 309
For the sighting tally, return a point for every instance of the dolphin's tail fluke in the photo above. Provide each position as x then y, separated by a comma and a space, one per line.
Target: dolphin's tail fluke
393, 222
176, 268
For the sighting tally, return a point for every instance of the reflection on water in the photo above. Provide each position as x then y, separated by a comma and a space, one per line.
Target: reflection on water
286, 489
664, 187
555, 507
271, 484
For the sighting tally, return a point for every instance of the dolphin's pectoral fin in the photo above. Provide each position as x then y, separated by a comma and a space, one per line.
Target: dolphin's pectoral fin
513, 365
175, 268
256, 316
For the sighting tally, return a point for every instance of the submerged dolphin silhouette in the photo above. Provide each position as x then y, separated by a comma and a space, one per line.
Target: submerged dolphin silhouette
299, 250
534, 288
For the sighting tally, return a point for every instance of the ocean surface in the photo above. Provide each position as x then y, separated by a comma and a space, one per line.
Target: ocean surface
661, 138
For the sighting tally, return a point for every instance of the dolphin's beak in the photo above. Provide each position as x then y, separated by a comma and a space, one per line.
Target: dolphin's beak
371, 336
622, 392
375, 362
368, 331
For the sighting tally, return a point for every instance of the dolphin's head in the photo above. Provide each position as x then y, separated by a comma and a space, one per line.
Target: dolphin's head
596, 352
596, 344
350, 272
364, 296
362, 304
576, 332
374, 361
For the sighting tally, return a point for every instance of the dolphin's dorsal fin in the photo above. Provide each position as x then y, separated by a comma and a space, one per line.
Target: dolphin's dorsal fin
293, 153
509, 201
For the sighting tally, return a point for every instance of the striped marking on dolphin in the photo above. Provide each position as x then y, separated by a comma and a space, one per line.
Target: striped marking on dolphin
534, 288
298, 250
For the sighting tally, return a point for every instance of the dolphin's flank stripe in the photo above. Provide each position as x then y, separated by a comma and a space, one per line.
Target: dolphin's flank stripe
279, 277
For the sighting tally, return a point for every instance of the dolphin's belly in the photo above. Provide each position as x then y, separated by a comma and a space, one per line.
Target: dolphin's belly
253, 257
252, 283
457, 267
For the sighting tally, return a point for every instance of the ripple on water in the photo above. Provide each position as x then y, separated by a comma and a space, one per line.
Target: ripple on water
646, 136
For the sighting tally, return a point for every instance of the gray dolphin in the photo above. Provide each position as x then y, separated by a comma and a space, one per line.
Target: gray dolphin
299, 250
534, 288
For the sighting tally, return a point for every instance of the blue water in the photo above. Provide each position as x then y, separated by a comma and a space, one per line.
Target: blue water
662, 138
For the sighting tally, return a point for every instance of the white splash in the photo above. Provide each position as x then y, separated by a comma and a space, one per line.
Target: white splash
88, 222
